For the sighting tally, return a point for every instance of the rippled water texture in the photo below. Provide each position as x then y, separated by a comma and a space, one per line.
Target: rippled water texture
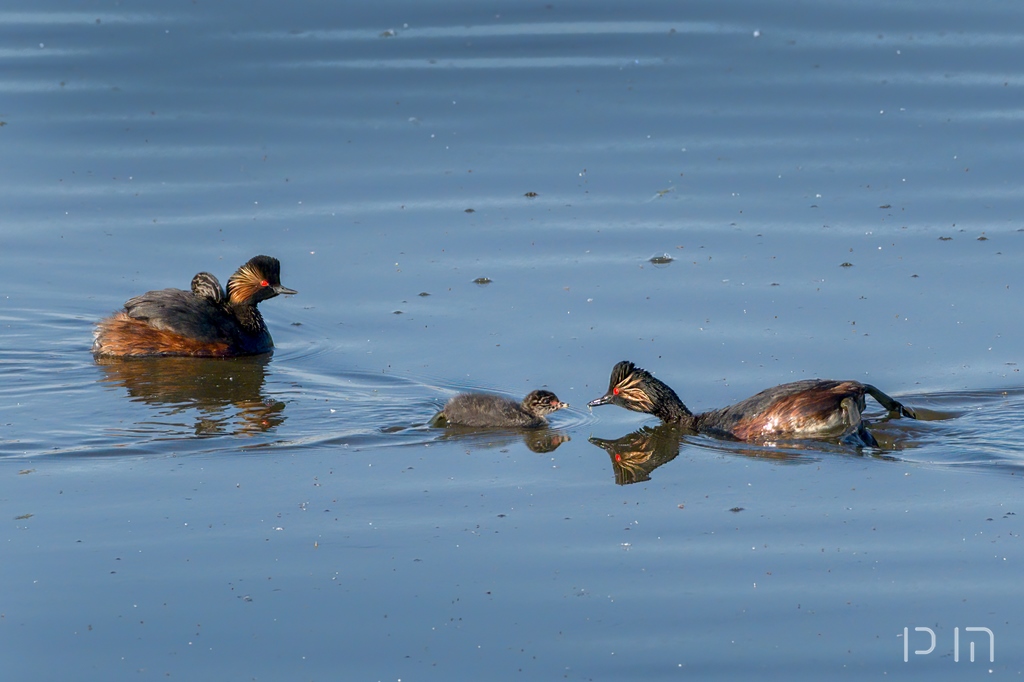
505, 197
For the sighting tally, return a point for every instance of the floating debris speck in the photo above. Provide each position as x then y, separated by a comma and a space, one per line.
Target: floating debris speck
482, 281
663, 259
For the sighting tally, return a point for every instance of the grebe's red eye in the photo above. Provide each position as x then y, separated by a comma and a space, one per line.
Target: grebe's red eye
615, 391
264, 283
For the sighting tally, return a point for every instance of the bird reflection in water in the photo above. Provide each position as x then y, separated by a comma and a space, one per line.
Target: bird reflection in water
537, 440
226, 394
635, 455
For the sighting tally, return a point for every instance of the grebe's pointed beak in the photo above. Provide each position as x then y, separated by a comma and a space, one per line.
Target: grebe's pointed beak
284, 290
603, 400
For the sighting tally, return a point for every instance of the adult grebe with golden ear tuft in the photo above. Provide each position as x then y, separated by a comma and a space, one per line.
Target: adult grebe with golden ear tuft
814, 408
203, 322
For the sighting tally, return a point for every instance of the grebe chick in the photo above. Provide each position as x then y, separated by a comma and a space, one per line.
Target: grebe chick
205, 285
203, 322
482, 409
813, 408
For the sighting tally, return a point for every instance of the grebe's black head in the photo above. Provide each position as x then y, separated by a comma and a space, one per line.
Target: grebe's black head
630, 387
540, 403
256, 281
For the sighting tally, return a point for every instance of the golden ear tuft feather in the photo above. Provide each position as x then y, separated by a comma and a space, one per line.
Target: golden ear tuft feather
260, 272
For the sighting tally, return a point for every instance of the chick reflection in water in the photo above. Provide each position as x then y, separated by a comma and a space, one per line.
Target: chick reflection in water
227, 394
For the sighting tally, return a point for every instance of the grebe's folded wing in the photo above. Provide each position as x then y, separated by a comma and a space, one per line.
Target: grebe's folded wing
181, 312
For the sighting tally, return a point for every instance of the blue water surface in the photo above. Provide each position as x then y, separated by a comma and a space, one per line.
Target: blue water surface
504, 197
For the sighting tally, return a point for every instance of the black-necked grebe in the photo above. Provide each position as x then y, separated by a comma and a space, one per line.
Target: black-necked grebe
203, 322
814, 408
482, 409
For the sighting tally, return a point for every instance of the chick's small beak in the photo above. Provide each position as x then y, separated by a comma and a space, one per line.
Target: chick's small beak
603, 400
561, 406
284, 290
